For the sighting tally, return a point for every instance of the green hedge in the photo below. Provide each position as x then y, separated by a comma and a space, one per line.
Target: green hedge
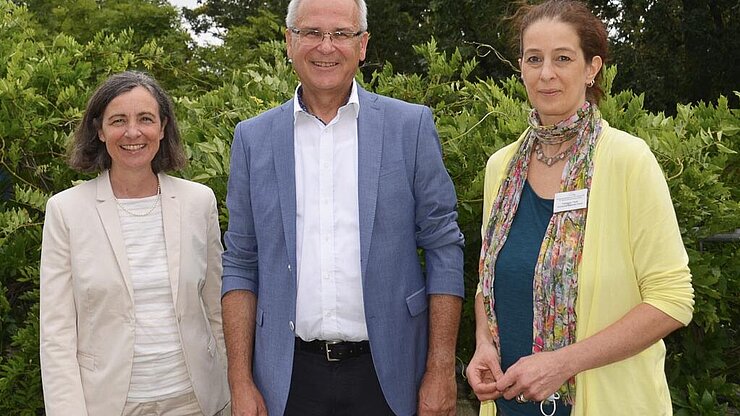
44, 85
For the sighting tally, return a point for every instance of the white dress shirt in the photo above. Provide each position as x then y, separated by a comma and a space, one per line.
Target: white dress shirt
329, 304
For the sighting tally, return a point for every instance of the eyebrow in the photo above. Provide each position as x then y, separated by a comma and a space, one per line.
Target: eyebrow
560, 49
338, 29
126, 115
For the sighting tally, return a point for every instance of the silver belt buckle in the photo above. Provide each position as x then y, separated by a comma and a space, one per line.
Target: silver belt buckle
328, 350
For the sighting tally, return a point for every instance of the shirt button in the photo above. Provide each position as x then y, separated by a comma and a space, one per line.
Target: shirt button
291, 325
289, 267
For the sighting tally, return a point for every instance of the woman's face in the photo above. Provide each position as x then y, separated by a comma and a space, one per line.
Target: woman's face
131, 129
554, 70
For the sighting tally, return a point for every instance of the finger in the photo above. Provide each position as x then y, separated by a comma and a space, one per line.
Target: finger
504, 384
496, 369
513, 391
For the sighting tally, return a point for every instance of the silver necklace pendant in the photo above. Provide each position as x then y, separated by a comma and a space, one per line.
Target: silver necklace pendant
549, 160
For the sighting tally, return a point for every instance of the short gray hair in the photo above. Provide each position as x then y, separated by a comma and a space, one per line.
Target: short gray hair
292, 15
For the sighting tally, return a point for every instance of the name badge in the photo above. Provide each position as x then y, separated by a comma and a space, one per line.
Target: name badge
568, 201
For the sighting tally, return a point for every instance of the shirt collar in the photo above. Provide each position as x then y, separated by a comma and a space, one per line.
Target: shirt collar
353, 102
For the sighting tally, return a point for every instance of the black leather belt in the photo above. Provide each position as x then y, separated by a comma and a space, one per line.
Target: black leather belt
334, 350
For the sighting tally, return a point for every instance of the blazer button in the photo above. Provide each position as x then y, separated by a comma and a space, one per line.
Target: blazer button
289, 269
292, 326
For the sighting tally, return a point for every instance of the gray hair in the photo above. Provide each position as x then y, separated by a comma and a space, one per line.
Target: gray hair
292, 15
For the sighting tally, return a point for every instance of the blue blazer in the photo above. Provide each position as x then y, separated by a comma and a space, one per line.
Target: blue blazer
406, 201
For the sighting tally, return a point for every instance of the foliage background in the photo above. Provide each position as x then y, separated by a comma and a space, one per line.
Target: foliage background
673, 51
54, 53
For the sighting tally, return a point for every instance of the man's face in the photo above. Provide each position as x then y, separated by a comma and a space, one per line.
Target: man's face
327, 67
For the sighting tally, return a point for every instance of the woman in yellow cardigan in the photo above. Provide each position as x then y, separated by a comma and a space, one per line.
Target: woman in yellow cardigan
582, 269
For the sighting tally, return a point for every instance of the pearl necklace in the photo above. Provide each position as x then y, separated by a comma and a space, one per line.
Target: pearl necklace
156, 204
549, 160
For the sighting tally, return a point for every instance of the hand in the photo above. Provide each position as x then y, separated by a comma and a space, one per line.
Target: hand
483, 372
536, 376
247, 401
438, 393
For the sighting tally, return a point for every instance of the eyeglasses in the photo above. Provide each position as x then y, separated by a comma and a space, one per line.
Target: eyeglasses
314, 37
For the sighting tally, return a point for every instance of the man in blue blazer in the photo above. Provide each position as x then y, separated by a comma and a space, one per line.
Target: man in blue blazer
327, 308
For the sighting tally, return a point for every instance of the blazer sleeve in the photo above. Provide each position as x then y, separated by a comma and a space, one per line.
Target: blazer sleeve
437, 231
240, 258
212, 289
60, 369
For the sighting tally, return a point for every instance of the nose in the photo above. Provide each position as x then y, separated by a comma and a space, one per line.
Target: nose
132, 130
547, 70
326, 43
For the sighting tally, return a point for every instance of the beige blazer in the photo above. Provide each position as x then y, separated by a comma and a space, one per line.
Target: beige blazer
87, 312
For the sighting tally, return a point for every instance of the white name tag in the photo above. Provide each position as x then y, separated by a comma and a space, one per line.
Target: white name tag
568, 201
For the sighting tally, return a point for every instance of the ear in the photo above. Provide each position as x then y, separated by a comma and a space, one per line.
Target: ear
164, 124
100, 135
594, 67
289, 43
363, 45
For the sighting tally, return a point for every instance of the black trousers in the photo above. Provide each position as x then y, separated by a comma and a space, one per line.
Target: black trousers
323, 388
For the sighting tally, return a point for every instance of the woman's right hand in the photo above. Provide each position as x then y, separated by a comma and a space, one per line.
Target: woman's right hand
484, 371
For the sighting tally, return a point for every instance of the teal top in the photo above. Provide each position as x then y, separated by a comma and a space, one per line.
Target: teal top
512, 286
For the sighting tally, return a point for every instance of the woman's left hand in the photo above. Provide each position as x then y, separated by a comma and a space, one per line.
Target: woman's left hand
536, 377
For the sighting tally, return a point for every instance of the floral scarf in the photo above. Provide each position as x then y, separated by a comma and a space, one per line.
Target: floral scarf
556, 274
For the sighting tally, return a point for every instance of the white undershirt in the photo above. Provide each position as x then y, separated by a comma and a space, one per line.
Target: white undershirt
329, 304
159, 370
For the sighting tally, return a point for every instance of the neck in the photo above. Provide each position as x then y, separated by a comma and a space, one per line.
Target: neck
325, 106
133, 185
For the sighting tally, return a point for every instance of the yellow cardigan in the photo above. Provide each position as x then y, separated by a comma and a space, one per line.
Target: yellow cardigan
632, 253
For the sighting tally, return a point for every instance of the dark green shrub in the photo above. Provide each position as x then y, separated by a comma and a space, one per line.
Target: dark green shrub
44, 84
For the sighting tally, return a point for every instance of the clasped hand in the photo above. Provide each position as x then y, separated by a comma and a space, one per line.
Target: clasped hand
536, 376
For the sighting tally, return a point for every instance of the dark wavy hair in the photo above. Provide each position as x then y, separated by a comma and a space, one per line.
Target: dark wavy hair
88, 154
590, 29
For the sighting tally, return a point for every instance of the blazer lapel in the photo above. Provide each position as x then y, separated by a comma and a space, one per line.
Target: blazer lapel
172, 226
108, 212
369, 151
284, 159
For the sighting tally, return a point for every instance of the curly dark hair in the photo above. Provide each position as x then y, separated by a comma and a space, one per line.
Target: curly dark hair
88, 154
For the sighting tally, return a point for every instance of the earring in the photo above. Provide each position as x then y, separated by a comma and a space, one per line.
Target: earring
591, 84
290, 60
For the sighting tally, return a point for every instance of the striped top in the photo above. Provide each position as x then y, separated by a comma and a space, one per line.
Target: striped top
159, 370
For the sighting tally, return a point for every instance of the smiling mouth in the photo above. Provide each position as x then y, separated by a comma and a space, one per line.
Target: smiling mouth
133, 146
324, 64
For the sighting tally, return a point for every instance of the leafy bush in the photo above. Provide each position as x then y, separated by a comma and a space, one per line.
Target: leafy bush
45, 82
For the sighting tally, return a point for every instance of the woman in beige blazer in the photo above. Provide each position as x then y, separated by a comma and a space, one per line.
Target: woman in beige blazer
131, 269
